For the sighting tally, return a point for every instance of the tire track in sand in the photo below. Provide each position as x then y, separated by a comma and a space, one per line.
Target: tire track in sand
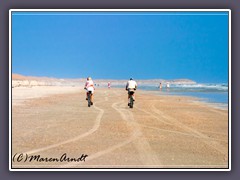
177, 132
205, 139
133, 137
101, 153
92, 130
156, 117
146, 155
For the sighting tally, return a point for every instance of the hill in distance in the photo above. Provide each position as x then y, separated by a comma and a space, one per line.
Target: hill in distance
21, 80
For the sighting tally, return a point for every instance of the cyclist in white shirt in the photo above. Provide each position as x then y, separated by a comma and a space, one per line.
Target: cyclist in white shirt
131, 87
89, 86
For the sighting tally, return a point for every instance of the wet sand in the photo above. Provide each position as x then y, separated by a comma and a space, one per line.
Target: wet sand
159, 132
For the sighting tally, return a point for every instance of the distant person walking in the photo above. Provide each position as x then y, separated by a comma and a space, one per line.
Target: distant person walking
131, 87
109, 85
168, 86
160, 86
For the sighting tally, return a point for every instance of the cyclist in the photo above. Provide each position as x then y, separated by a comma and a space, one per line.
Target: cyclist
89, 86
131, 87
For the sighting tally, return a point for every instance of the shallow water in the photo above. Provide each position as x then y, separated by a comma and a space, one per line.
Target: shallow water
211, 93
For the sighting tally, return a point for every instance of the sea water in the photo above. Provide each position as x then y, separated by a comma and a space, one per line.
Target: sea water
214, 93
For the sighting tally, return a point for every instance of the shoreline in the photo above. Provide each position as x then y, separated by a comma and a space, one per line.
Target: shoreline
204, 101
21, 96
216, 99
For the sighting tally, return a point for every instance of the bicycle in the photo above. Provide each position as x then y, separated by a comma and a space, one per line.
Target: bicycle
89, 97
131, 93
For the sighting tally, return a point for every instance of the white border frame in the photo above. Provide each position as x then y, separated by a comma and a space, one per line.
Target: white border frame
118, 10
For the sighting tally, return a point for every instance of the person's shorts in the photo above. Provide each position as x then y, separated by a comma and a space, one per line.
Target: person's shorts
90, 89
131, 91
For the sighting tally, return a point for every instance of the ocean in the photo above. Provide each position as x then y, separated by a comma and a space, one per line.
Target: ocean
214, 93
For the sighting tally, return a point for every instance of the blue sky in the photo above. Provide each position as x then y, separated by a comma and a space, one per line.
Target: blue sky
119, 45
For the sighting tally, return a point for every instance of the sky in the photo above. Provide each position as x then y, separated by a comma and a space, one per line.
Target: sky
120, 45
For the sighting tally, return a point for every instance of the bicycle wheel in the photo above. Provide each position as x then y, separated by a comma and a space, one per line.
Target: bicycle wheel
89, 99
131, 102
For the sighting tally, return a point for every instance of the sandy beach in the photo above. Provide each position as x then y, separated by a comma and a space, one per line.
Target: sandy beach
159, 132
